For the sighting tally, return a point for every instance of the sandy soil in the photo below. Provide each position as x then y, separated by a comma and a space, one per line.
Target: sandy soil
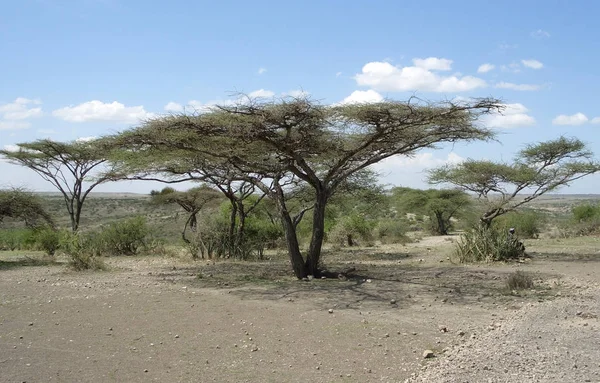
154, 319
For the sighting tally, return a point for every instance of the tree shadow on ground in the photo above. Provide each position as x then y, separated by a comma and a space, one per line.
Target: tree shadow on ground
26, 262
373, 285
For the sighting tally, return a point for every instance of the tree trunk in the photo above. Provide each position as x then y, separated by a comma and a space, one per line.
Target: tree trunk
291, 240
231, 234
318, 234
442, 227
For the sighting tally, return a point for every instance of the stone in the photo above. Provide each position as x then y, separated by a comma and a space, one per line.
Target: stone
427, 354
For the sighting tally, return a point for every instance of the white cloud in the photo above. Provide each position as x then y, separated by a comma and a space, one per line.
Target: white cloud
512, 67
86, 139
14, 125
362, 96
47, 131
262, 70
99, 111
533, 64
574, 119
20, 109
11, 148
383, 76
338, 74
595, 120
173, 107
433, 63
484, 68
540, 34
505, 46
523, 87
418, 162
513, 116
261, 93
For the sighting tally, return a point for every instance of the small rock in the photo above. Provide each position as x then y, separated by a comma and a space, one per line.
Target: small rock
461, 333
428, 354
330, 311
393, 301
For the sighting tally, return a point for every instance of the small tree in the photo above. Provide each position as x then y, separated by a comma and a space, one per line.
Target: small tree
20, 204
537, 169
440, 205
67, 166
192, 201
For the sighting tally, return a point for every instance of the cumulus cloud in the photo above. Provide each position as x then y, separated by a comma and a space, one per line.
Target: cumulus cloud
383, 76
540, 34
86, 139
14, 125
262, 70
173, 107
362, 96
11, 148
533, 64
522, 87
14, 114
261, 93
433, 63
573, 120
595, 120
484, 68
99, 111
513, 116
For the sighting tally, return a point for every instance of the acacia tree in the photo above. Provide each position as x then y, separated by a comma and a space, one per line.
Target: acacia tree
192, 201
176, 166
68, 166
537, 169
440, 205
20, 204
272, 144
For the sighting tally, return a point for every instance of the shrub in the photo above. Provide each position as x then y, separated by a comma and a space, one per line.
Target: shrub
391, 231
16, 239
586, 212
124, 237
351, 230
528, 224
487, 245
81, 256
47, 239
519, 280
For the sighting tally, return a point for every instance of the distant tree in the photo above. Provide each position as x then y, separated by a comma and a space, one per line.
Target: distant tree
22, 205
192, 201
537, 169
440, 205
278, 144
68, 166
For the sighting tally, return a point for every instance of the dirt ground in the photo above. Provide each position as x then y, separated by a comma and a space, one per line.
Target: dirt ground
173, 320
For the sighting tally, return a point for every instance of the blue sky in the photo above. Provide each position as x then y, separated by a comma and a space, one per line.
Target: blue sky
83, 68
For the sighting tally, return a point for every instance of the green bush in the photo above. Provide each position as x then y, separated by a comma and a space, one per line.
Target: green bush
81, 255
352, 230
124, 237
47, 239
390, 230
17, 239
528, 224
519, 280
586, 212
487, 245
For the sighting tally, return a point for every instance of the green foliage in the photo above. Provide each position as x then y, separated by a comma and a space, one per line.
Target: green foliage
47, 239
528, 223
17, 239
352, 230
22, 205
541, 167
125, 237
81, 252
391, 230
519, 280
441, 206
482, 244
586, 212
